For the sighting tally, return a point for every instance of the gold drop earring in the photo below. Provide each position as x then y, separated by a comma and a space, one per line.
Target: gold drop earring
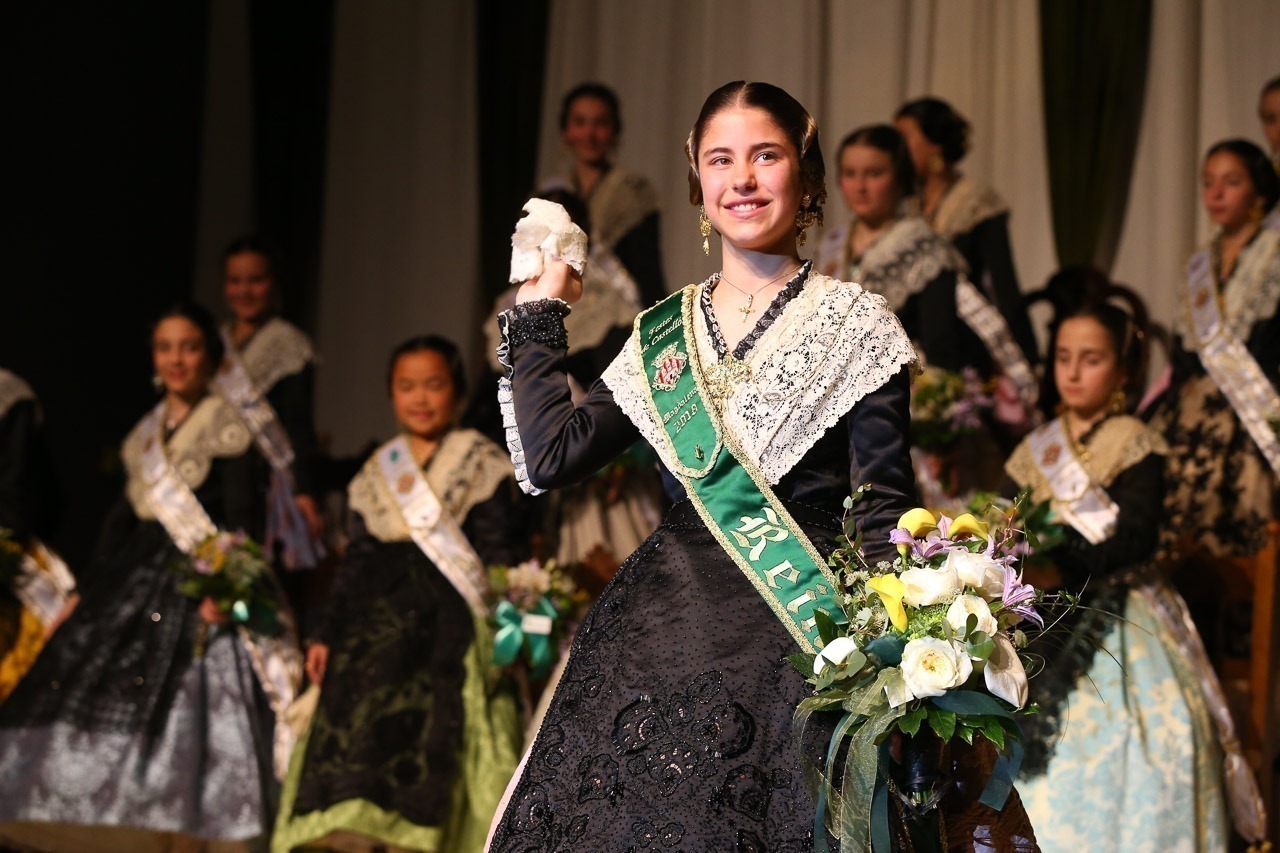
704, 228
1119, 401
804, 219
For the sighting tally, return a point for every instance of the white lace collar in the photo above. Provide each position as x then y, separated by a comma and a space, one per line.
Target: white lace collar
831, 346
904, 260
965, 205
277, 350
213, 429
1250, 295
12, 390
466, 470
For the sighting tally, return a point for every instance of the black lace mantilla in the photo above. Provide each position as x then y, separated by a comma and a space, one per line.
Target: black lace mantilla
790, 291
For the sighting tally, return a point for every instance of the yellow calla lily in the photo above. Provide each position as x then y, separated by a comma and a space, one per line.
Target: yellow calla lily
967, 525
918, 521
891, 590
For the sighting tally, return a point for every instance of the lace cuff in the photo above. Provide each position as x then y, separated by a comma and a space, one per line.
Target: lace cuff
541, 322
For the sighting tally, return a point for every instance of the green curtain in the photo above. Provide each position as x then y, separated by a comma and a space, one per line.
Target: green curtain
1094, 66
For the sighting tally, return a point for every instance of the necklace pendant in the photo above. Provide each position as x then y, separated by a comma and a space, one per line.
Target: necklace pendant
747, 309
720, 379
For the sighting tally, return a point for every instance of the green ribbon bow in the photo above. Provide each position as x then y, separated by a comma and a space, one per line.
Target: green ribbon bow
512, 637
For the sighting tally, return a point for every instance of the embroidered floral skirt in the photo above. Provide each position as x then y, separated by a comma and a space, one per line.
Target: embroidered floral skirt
117, 727
671, 728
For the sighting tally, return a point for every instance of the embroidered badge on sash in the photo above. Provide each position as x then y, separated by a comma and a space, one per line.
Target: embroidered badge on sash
1201, 298
668, 366
1051, 454
405, 485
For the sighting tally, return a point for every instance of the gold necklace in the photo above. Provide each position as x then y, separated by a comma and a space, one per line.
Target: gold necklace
751, 297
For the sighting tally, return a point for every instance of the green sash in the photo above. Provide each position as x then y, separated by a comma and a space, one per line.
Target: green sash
725, 486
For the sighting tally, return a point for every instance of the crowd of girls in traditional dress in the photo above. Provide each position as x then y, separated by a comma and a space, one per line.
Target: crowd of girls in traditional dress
136, 714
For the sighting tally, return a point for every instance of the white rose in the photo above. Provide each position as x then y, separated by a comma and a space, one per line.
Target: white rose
929, 586
837, 652
931, 667
963, 606
977, 571
1004, 674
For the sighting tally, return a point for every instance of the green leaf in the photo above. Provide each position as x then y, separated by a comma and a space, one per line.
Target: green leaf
993, 731
942, 722
982, 650
909, 723
966, 733
827, 629
971, 624
855, 662
802, 662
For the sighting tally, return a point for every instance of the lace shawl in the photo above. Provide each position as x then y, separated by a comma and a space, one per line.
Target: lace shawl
610, 299
1251, 294
1118, 444
466, 470
277, 350
965, 205
213, 429
898, 265
620, 201
831, 346
12, 390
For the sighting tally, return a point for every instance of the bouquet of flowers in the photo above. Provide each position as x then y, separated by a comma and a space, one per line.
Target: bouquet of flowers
930, 646
535, 603
946, 405
10, 558
230, 569
1039, 528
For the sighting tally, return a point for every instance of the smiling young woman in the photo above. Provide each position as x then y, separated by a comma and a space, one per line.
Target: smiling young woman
672, 723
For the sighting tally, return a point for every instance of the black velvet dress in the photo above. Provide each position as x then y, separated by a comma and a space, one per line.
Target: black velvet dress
671, 728
118, 725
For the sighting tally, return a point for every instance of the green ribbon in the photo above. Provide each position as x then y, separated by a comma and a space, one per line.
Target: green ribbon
512, 637
732, 497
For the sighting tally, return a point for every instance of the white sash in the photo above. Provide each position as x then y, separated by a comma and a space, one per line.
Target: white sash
1076, 498
276, 660
236, 385
989, 324
433, 529
44, 582
1229, 363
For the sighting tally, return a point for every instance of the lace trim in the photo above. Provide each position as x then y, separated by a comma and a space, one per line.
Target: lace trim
1115, 446
277, 350
466, 470
610, 299
213, 430
903, 261
507, 405
13, 390
1251, 294
788, 292
620, 202
541, 321
965, 205
830, 346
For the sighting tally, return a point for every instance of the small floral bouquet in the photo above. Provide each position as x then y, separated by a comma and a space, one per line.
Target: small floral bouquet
1035, 527
535, 603
230, 569
946, 405
10, 558
930, 646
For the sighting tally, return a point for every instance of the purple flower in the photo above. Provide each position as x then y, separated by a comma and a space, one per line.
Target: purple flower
1017, 596
203, 567
929, 548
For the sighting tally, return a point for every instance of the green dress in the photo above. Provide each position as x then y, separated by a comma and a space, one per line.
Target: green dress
415, 734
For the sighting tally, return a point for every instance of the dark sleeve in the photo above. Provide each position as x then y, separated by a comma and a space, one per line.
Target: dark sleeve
638, 250
880, 454
1138, 492
492, 527
1264, 346
993, 273
562, 444
293, 399
19, 477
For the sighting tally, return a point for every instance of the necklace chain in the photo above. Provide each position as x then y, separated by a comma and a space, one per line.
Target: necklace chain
751, 297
